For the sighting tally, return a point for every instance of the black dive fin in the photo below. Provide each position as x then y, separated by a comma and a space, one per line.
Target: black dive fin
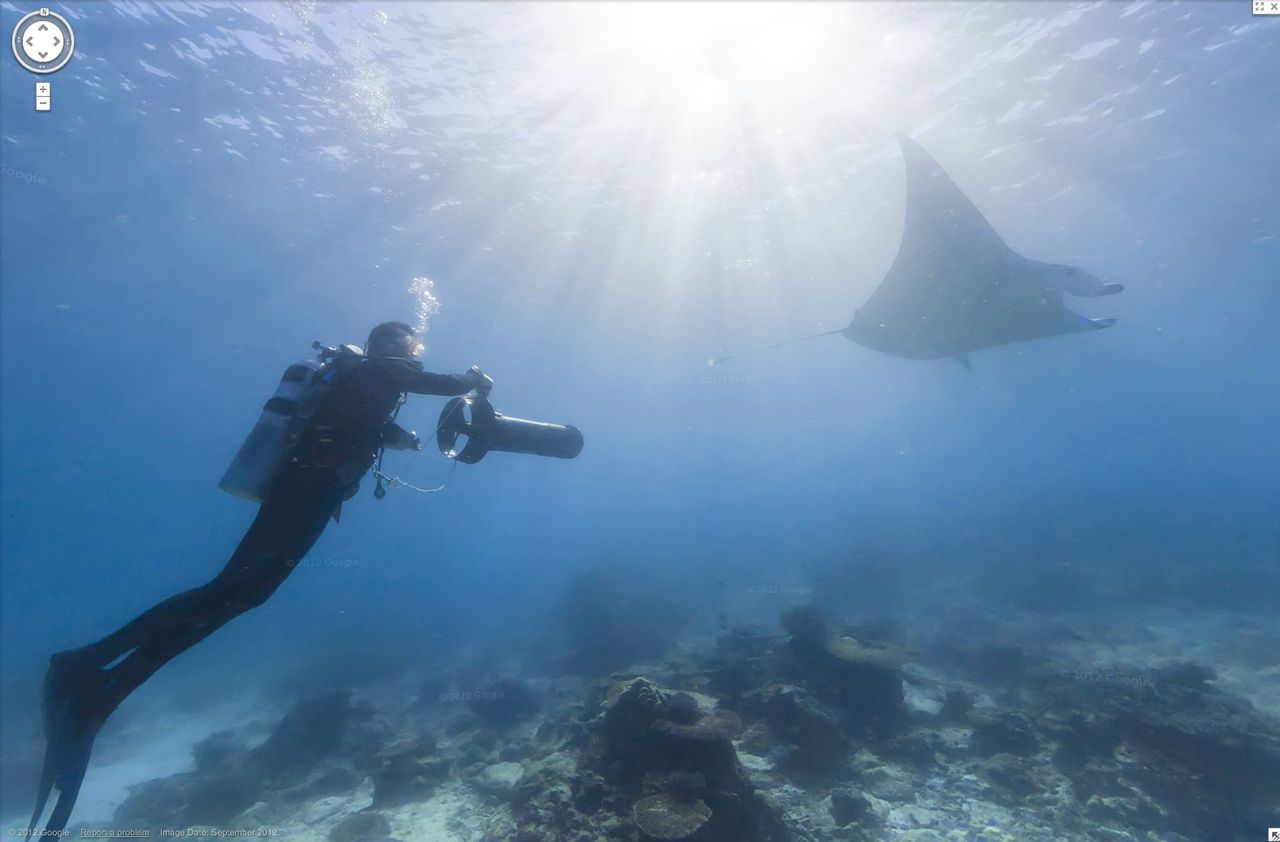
42, 793
65, 760
74, 762
69, 742
963, 359
55, 706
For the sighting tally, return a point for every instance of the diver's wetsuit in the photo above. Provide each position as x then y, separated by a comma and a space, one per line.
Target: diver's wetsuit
333, 454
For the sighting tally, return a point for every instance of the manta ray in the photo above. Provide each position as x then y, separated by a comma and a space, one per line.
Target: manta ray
955, 286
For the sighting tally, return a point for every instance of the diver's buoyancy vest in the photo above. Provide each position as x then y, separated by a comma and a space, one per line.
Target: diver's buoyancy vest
284, 419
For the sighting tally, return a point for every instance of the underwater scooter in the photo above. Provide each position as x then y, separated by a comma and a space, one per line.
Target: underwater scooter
484, 429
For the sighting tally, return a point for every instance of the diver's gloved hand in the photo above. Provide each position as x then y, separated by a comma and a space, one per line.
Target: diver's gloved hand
481, 382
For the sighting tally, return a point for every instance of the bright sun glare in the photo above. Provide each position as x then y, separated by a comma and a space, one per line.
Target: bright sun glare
731, 43
697, 59
671, 110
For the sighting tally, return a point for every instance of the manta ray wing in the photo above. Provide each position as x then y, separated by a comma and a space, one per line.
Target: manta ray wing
955, 286
1016, 309
922, 294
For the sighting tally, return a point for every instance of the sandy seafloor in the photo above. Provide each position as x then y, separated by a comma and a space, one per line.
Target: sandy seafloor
952, 796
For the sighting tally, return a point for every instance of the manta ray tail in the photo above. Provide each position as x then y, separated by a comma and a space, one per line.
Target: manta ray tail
714, 361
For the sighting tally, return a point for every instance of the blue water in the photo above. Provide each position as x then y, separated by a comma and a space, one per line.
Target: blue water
218, 185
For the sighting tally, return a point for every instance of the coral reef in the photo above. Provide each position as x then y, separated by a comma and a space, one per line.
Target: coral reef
680, 743
665, 816
322, 746
861, 678
825, 732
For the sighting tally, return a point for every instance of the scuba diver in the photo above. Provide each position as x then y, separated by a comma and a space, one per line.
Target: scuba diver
330, 420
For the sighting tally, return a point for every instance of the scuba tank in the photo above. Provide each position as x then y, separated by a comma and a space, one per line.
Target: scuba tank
283, 420
485, 430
